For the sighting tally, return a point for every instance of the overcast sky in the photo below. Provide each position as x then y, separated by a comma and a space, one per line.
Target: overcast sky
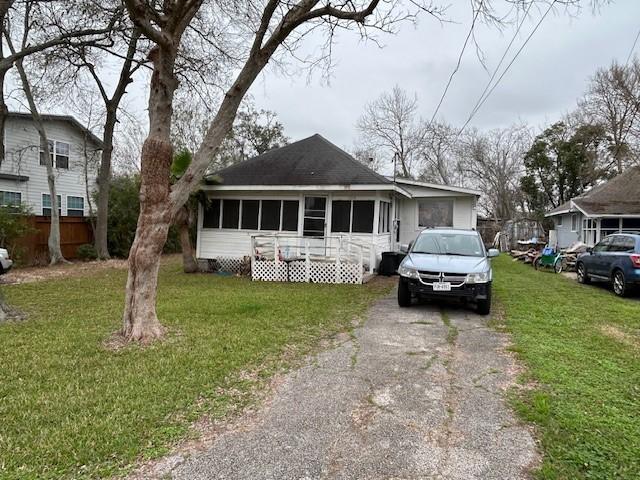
542, 84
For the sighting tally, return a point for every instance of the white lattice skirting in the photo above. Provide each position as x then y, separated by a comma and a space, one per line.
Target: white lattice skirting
223, 264
301, 271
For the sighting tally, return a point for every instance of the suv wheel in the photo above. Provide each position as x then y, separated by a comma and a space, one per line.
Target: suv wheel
404, 295
581, 274
619, 283
484, 306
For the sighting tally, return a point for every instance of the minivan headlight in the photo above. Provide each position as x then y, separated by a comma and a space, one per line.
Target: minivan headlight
479, 277
408, 272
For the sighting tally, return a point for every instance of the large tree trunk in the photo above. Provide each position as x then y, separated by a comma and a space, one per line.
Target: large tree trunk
104, 182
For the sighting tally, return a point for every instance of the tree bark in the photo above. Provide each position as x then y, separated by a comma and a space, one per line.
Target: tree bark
104, 182
183, 222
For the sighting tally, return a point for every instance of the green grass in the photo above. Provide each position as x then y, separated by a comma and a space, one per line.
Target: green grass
585, 399
69, 408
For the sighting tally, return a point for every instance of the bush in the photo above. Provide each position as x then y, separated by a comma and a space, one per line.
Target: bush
124, 208
14, 227
87, 252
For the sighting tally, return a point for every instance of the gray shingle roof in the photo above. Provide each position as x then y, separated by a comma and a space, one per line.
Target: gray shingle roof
311, 161
618, 196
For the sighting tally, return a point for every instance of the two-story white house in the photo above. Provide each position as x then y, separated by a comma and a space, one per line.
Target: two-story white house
75, 153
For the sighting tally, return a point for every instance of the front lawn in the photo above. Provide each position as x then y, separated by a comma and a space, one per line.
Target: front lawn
69, 408
581, 347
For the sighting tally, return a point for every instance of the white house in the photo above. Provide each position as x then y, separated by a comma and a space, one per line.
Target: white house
612, 207
313, 210
23, 175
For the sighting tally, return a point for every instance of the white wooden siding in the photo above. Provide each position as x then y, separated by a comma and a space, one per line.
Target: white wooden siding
22, 147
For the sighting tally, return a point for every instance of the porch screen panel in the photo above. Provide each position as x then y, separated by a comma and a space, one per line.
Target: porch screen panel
290, 216
211, 214
340, 216
250, 214
270, 215
362, 216
435, 212
631, 225
230, 213
314, 216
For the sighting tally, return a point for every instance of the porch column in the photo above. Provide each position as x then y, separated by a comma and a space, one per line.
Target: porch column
597, 220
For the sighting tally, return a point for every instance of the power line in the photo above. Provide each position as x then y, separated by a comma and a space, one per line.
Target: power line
455, 70
488, 94
633, 47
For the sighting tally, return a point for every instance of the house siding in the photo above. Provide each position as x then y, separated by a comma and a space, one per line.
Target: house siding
23, 158
565, 235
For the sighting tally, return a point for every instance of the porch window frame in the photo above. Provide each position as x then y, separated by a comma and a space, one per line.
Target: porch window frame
260, 201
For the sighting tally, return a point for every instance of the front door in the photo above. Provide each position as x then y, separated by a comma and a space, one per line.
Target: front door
314, 224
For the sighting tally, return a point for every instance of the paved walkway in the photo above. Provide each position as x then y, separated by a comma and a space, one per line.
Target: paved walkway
418, 393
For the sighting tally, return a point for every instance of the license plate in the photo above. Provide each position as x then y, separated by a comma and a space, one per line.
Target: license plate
442, 287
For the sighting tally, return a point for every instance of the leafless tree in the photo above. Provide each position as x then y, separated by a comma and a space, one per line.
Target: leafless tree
390, 125
493, 163
440, 156
611, 101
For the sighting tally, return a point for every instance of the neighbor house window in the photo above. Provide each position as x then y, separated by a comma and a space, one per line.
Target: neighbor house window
230, 213
211, 214
559, 220
46, 205
10, 199
384, 218
75, 206
272, 215
59, 154
574, 222
352, 216
435, 212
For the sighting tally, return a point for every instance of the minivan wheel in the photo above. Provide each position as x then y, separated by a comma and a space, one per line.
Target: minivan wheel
484, 306
404, 295
581, 273
619, 283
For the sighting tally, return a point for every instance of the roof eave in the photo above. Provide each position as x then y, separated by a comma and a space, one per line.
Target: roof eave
435, 186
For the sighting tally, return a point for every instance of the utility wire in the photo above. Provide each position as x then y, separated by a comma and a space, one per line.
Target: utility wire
457, 67
633, 47
482, 100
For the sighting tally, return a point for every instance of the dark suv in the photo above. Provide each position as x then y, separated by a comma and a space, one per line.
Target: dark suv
615, 259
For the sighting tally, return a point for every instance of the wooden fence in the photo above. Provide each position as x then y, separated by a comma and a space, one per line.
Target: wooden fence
74, 231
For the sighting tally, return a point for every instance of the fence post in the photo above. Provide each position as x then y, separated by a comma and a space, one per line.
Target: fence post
253, 255
361, 263
338, 264
372, 257
307, 262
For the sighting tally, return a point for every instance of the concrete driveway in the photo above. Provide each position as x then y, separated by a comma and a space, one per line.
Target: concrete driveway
416, 393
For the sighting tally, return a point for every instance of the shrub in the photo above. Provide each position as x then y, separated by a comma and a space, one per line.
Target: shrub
14, 227
87, 252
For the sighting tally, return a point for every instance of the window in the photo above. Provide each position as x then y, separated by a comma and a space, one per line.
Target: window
290, 215
603, 246
230, 213
250, 210
75, 206
362, 221
574, 222
435, 212
10, 199
341, 216
59, 154
211, 216
559, 219
622, 243
384, 218
449, 244
46, 204
315, 210
270, 216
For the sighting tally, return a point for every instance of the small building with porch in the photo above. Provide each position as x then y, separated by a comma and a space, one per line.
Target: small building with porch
309, 211
611, 207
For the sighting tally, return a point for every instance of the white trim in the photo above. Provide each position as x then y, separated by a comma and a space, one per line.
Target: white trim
468, 191
75, 196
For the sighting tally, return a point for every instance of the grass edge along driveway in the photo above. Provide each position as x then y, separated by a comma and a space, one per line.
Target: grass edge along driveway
581, 347
69, 408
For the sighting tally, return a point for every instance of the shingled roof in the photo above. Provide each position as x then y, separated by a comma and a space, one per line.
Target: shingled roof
618, 196
311, 161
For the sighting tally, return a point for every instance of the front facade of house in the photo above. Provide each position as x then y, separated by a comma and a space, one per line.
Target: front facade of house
311, 201
23, 175
613, 207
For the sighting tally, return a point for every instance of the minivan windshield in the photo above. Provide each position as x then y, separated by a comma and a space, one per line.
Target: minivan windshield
445, 243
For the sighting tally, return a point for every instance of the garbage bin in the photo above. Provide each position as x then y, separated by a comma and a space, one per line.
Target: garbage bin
390, 263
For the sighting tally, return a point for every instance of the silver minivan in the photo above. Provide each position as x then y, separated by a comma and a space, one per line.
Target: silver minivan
451, 263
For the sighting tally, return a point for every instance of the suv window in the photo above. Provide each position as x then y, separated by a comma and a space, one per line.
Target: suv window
603, 245
623, 243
